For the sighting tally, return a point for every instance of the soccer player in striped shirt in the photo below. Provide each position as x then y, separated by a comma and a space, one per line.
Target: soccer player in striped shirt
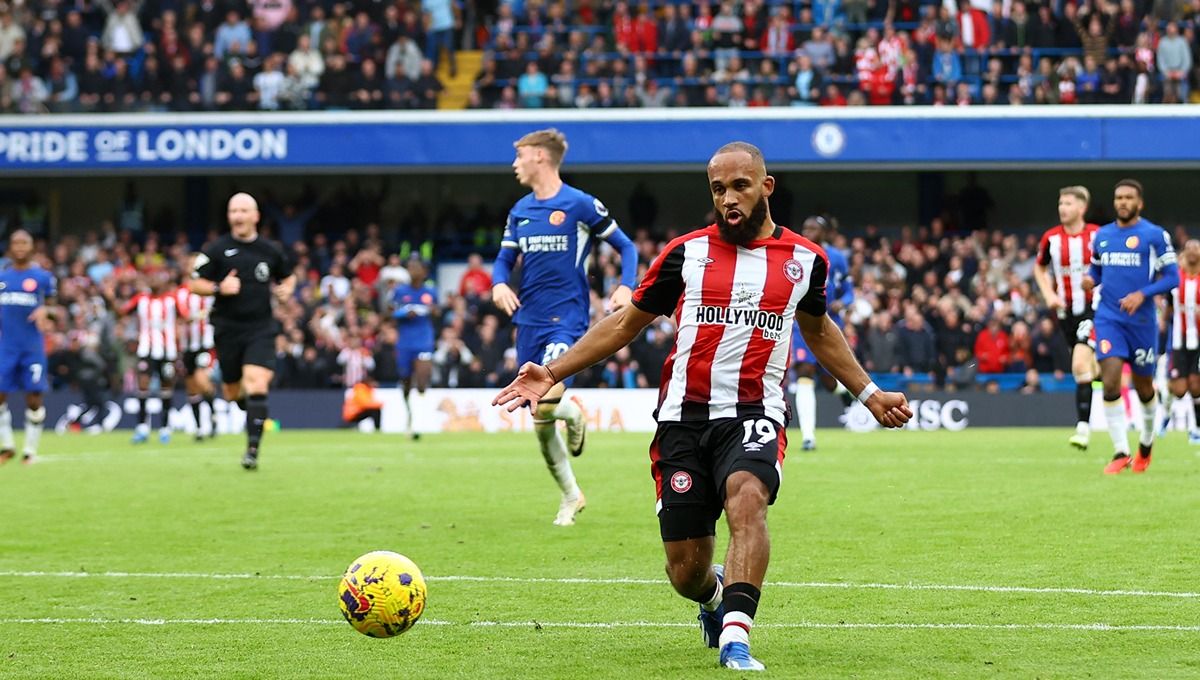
157, 350
1063, 257
1185, 336
735, 288
1132, 262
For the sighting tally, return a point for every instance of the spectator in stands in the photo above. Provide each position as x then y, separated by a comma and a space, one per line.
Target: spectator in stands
441, 21
917, 350
29, 93
368, 92
122, 31
232, 37
531, 86
992, 351
1174, 59
307, 63
476, 283
62, 87
427, 88
405, 54
269, 82
878, 350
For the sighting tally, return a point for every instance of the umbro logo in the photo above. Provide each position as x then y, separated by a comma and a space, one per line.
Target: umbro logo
230, 252
705, 260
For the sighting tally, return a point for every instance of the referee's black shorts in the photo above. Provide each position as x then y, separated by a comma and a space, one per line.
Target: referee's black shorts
237, 347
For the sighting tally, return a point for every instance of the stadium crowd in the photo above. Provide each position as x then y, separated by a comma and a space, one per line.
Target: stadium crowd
202, 55
934, 306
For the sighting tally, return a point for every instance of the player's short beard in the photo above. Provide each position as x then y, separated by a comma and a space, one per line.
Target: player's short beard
1134, 213
747, 230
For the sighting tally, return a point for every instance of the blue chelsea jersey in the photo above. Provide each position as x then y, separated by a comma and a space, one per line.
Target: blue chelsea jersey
21, 292
554, 237
1126, 259
413, 309
840, 287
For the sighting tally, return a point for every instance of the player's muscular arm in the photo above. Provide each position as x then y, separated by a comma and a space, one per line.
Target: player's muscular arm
600, 342
829, 346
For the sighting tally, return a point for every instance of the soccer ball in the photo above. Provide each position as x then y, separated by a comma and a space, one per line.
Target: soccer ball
382, 594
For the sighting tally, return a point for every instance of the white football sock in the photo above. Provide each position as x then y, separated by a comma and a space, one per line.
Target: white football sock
6, 432
1149, 418
713, 604
408, 412
33, 429
416, 410
806, 408
554, 450
736, 628
1118, 425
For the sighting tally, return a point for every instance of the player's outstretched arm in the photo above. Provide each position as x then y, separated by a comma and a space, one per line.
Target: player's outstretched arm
828, 344
600, 342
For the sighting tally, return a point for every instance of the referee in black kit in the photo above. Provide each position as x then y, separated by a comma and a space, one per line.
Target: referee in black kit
244, 271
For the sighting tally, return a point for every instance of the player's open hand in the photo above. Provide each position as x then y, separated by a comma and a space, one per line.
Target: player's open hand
532, 383
1131, 302
40, 317
889, 408
1088, 283
505, 298
619, 298
231, 284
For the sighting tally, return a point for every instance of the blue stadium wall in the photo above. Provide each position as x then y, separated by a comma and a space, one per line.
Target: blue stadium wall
645, 140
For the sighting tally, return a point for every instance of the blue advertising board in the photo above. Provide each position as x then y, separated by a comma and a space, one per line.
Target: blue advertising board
663, 138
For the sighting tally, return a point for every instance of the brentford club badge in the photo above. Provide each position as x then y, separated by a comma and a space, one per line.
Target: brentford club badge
681, 482
794, 271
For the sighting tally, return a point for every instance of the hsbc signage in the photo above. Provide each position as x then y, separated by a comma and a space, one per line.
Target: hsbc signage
928, 414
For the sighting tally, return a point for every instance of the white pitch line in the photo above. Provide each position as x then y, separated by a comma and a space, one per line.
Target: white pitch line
619, 581
1093, 627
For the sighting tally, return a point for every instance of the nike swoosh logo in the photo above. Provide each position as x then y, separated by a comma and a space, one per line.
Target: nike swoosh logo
231, 252
522, 222
1104, 243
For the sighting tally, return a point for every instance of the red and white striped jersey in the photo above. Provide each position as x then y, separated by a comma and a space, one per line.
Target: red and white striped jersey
357, 364
1185, 333
156, 325
734, 307
1068, 256
194, 310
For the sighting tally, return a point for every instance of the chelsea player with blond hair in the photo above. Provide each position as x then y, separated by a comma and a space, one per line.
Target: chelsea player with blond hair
553, 229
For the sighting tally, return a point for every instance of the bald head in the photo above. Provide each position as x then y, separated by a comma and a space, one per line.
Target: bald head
756, 156
243, 199
243, 216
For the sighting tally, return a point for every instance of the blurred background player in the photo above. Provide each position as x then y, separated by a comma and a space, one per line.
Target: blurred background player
553, 229
196, 339
414, 306
1064, 254
245, 271
1132, 261
1185, 337
157, 350
821, 230
26, 290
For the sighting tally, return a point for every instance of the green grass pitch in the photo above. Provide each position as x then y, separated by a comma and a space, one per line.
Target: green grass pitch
979, 554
